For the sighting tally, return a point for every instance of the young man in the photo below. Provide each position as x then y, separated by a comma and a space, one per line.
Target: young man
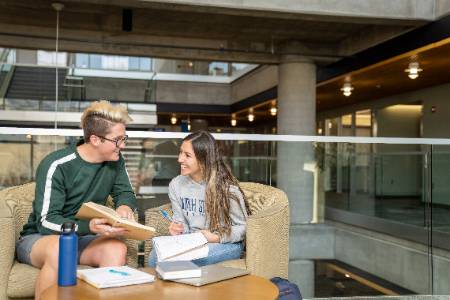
91, 170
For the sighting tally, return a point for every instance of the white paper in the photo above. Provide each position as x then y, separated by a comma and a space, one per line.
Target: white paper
181, 247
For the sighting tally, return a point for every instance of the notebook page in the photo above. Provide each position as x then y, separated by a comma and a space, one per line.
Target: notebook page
168, 246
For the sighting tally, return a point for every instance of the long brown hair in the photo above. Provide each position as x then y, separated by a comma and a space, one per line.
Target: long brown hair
218, 178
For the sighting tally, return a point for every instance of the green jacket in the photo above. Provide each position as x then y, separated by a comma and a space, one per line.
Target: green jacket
64, 181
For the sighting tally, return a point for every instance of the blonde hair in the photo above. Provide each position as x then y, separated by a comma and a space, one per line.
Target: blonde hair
100, 116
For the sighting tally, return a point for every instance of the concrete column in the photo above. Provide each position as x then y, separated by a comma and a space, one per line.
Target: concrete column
296, 115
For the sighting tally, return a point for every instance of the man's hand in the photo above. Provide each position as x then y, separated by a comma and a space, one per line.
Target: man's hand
125, 212
210, 237
101, 227
176, 228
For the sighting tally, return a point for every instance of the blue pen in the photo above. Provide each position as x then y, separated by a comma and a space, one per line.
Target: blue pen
119, 272
166, 215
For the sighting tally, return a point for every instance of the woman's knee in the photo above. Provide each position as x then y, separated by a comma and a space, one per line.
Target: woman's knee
223, 252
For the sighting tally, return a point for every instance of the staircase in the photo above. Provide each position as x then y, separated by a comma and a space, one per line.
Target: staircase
132, 155
2, 75
36, 83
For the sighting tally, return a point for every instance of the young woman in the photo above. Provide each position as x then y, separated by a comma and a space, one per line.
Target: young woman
206, 197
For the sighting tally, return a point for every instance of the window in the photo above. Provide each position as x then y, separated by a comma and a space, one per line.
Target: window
46, 58
95, 61
82, 60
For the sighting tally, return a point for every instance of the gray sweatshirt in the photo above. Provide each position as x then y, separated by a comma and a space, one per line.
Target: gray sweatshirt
188, 204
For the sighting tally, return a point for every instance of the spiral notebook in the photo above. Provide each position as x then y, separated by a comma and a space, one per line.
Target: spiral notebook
114, 276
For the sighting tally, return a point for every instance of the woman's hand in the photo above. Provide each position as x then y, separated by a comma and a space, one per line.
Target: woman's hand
125, 212
176, 228
100, 226
210, 237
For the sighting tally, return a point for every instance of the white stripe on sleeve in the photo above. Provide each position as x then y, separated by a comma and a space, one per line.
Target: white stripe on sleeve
48, 191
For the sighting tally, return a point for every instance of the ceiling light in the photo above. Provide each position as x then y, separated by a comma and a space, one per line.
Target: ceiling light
319, 131
191, 64
273, 111
251, 116
413, 70
173, 119
347, 89
233, 120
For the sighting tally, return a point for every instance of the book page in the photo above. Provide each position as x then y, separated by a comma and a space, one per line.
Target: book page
169, 246
135, 230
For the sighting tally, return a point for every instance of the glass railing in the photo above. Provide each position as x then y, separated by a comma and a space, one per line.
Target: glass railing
68, 105
399, 191
361, 179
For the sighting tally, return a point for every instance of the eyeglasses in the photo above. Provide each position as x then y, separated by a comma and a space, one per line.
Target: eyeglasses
118, 141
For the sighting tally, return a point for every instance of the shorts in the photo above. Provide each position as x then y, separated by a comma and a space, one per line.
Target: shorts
25, 243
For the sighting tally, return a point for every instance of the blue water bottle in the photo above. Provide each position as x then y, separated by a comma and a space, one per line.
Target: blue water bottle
68, 255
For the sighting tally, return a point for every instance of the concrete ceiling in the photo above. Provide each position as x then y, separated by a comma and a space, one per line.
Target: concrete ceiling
182, 29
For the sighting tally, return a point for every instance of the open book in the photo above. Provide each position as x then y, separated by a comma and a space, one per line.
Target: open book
114, 276
136, 231
181, 247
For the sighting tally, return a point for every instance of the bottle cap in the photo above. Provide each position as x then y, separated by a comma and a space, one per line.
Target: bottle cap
68, 227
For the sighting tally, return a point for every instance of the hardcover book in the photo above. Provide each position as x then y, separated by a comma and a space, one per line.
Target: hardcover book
178, 269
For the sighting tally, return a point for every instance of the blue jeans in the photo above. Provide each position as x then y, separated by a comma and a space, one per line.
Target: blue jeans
217, 253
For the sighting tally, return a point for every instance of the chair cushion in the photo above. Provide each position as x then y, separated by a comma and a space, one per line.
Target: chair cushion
20, 199
21, 281
259, 196
154, 219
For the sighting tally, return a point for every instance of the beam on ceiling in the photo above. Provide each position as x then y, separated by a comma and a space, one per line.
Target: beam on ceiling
369, 12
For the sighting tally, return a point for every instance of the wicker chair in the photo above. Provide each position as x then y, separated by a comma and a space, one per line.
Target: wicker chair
267, 237
17, 280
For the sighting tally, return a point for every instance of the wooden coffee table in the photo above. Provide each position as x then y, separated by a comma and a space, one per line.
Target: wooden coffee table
244, 287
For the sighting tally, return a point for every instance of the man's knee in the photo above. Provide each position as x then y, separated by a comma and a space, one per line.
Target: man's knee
114, 252
52, 253
45, 251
